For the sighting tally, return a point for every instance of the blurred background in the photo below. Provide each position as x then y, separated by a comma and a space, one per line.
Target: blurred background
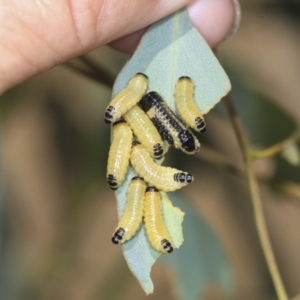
58, 213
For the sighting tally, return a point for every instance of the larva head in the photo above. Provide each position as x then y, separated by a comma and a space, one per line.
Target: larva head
142, 74
109, 114
112, 181
189, 178
118, 235
149, 100
167, 245
137, 178
200, 124
151, 189
183, 177
189, 143
184, 78
158, 151
135, 143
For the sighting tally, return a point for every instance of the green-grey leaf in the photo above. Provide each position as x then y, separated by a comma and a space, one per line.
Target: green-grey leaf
291, 155
296, 298
200, 260
171, 48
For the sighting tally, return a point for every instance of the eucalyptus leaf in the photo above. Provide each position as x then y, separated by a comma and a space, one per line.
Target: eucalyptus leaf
292, 155
201, 259
170, 48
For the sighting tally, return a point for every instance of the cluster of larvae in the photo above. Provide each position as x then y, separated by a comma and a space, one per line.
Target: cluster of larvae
141, 123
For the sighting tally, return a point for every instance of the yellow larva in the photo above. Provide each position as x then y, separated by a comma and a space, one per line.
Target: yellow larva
119, 153
133, 213
164, 178
145, 131
168, 125
128, 97
186, 107
156, 231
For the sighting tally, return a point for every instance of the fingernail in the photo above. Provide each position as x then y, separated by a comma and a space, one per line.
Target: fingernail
237, 21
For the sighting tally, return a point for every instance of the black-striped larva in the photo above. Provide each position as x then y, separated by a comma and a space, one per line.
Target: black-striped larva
186, 107
164, 178
126, 98
119, 153
145, 131
168, 124
156, 231
133, 213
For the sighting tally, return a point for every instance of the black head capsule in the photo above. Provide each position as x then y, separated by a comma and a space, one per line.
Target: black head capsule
112, 181
167, 245
183, 177
117, 237
142, 75
187, 141
184, 77
151, 189
149, 100
200, 124
189, 178
110, 111
134, 143
137, 178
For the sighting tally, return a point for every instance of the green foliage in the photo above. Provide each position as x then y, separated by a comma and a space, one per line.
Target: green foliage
201, 259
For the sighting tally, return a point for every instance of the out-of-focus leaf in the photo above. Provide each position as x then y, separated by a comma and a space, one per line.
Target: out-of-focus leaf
171, 48
11, 98
296, 298
290, 189
266, 123
201, 259
138, 252
291, 155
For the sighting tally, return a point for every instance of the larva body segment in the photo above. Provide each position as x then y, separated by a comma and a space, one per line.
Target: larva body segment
119, 154
156, 231
133, 213
164, 178
126, 98
186, 107
145, 131
168, 124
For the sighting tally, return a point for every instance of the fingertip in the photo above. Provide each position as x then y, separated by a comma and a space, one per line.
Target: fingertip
214, 19
127, 44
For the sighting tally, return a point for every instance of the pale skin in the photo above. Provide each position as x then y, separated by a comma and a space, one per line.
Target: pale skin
36, 35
